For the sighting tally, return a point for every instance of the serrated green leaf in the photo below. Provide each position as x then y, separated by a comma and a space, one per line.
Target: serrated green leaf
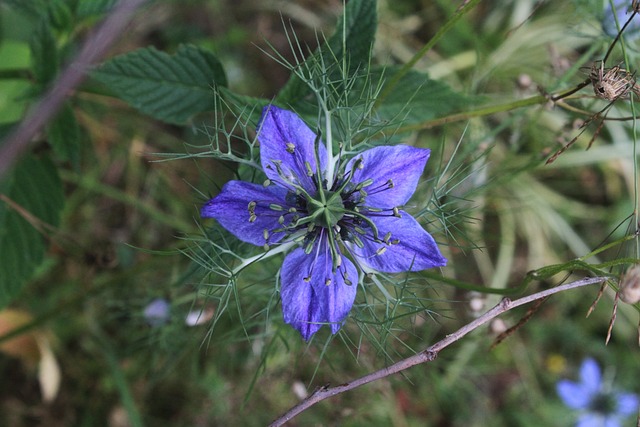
416, 98
35, 187
354, 37
168, 88
44, 54
64, 136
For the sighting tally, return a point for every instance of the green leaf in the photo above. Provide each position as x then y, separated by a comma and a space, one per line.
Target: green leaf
34, 187
168, 88
354, 37
44, 53
416, 98
33, 8
60, 14
14, 55
87, 8
12, 100
244, 105
64, 136
56, 12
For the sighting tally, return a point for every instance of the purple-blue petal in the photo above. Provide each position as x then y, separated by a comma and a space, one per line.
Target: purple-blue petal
286, 141
402, 164
590, 419
157, 312
231, 208
611, 422
573, 395
627, 403
415, 251
308, 304
590, 376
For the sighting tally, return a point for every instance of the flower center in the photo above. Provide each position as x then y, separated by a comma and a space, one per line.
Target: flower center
603, 403
327, 209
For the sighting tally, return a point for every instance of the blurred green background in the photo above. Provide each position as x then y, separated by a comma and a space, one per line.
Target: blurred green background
129, 218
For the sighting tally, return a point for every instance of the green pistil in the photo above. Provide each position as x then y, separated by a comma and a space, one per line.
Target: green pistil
327, 210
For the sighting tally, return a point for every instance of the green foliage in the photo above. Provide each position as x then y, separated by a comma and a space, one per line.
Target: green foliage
44, 54
60, 14
34, 8
87, 8
56, 12
351, 42
416, 98
487, 198
64, 136
35, 193
168, 88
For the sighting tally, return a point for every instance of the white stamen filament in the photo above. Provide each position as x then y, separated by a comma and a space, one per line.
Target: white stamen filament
248, 261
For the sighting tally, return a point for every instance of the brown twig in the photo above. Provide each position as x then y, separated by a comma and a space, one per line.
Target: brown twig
431, 352
93, 50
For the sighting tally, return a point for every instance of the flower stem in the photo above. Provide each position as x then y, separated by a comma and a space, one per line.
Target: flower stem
485, 111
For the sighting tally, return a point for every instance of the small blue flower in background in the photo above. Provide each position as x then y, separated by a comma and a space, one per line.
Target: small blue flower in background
623, 14
598, 405
156, 313
338, 218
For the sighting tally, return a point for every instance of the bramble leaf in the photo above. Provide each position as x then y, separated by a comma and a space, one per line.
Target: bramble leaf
168, 88
32, 191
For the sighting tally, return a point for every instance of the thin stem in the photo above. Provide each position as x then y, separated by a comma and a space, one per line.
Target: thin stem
430, 353
539, 99
633, 14
492, 109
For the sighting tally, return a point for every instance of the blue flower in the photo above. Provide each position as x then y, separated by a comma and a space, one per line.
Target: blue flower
340, 219
156, 313
599, 406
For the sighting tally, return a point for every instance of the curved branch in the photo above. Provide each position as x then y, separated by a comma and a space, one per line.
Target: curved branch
431, 352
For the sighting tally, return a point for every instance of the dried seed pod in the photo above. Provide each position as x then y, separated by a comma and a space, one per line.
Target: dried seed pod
611, 83
630, 285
